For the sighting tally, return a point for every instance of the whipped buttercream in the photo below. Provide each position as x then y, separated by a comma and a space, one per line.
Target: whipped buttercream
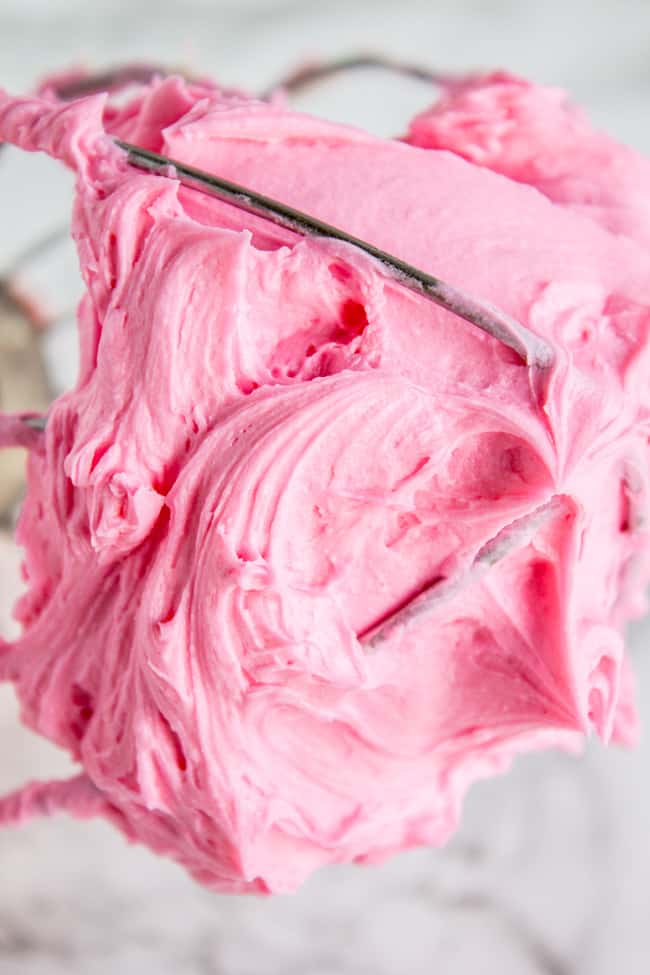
272, 447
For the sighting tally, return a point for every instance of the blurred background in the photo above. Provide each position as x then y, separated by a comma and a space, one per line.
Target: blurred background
550, 871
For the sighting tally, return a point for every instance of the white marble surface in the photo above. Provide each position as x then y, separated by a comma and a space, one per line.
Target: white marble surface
550, 871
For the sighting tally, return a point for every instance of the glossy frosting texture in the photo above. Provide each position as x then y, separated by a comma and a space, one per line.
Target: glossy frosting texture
271, 447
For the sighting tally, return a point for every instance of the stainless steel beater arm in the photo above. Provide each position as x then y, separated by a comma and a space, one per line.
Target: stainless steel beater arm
528, 346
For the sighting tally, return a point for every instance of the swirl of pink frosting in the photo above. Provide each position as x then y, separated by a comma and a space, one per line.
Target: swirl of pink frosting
272, 447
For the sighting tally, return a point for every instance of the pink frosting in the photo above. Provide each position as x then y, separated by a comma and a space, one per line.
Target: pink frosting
271, 447
535, 135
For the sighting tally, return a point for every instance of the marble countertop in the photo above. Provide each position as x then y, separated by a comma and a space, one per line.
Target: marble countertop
550, 870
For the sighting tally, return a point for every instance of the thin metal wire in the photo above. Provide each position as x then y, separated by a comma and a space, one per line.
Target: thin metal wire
515, 535
528, 346
317, 71
114, 79
36, 422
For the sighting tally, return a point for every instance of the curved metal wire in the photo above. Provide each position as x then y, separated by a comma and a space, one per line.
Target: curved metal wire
316, 71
